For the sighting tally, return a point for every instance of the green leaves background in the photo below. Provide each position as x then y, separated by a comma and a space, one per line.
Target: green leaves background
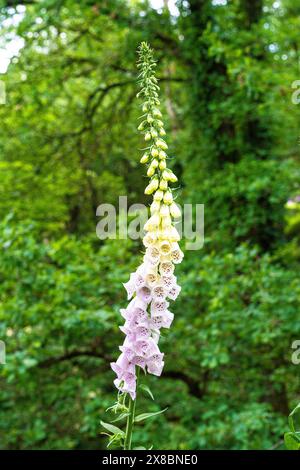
68, 143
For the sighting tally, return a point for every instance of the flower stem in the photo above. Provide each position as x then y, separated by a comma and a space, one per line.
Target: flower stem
130, 418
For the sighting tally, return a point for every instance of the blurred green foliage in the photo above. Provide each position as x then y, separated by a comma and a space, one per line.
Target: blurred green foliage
69, 143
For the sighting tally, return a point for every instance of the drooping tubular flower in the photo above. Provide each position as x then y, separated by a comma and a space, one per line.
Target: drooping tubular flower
153, 285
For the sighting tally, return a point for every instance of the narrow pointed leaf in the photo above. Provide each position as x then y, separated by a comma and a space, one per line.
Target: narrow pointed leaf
147, 390
144, 416
111, 428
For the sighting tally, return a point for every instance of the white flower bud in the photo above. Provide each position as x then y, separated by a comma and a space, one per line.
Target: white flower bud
168, 198
164, 210
155, 206
166, 222
152, 223
171, 234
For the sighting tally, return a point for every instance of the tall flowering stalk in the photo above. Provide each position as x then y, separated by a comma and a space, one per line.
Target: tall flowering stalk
153, 285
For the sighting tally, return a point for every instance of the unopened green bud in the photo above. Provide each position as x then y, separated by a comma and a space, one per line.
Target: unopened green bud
150, 119
142, 126
157, 113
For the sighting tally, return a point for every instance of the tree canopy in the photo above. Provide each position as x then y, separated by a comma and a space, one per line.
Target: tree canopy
68, 143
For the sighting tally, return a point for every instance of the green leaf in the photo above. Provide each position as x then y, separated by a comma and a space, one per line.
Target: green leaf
291, 420
122, 416
292, 441
112, 429
147, 390
144, 416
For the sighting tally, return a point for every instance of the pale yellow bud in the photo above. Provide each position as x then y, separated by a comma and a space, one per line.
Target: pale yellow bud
162, 154
155, 206
150, 118
161, 144
162, 132
174, 235
173, 178
154, 163
154, 133
166, 174
164, 210
150, 171
166, 222
147, 136
171, 234
159, 123
157, 113
144, 158
141, 126
149, 189
158, 195
152, 223
145, 107
154, 152
162, 165
168, 198
175, 211
163, 185
152, 186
